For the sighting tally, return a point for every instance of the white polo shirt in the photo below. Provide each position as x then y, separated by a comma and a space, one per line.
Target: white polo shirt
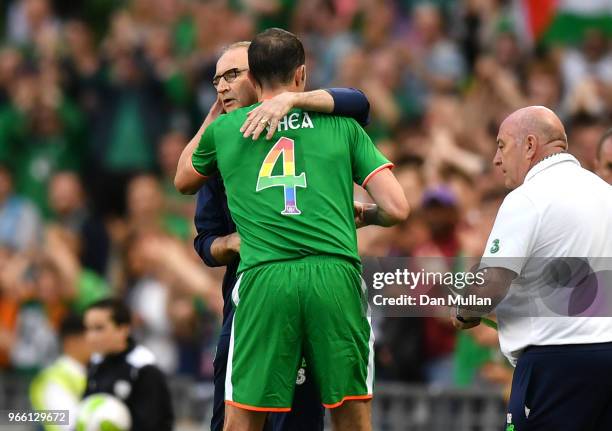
561, 210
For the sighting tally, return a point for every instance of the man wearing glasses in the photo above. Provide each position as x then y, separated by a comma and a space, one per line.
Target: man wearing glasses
217, 242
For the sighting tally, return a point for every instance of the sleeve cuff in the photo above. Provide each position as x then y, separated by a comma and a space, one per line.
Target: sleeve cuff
350, 102
203, 246
375, 171
196, 171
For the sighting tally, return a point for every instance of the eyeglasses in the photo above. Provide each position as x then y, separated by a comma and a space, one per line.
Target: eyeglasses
229, 76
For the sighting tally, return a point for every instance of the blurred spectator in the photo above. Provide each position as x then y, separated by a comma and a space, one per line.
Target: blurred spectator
42, 131
584, 133
81, 63
130, 117
436, 61
544, 86
20, 224
60, 386
268, 13
478, 361
441, 214
145, 208
67, 201
9, 307
383, 86
149, 299
161, 276
327, 36
33, 292
10, 61
603, 162
592, 61
27, 18
83, 286
170, 149
399, 350
125, 369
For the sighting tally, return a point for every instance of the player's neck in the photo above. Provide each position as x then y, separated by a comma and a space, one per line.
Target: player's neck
269, 93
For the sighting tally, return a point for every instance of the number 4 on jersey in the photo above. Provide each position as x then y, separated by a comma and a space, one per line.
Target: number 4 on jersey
288, 180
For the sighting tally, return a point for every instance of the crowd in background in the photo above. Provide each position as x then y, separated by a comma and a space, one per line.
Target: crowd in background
98, 98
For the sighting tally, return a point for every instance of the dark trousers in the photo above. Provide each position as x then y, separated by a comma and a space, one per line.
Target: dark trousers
566, 387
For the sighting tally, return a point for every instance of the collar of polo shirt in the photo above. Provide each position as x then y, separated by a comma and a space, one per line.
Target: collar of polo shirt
549, 161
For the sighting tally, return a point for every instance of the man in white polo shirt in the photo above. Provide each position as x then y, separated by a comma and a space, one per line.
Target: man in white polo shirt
557, 212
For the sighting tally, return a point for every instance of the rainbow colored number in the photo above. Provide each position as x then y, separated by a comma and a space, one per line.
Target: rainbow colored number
288, 180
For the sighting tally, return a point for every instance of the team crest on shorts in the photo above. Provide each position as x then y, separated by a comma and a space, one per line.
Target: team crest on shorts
301, 375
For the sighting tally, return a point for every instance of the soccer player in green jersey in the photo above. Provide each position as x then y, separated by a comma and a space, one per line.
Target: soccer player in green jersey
300, 288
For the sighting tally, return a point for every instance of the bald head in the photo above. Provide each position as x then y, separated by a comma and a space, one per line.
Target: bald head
538, 121
525, 137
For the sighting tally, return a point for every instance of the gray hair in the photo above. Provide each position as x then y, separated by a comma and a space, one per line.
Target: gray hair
241, 44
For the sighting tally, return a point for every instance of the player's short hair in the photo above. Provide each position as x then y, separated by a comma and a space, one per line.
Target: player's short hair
607, 135
120, 313
71, 325
241, 44
274, 55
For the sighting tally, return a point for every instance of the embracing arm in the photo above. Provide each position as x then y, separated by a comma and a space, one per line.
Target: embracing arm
346, 102
187, 180
216, 243
351, 102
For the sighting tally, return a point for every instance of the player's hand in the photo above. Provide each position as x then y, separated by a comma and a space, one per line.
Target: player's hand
215, 110
359, 211
269, 113
461, 322
233, 242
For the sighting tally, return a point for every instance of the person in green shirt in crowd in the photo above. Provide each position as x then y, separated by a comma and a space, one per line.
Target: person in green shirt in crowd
40, 133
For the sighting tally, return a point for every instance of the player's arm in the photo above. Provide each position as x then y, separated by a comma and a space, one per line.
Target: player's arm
215, 243
346, 102
372, 171
391, 204
187, 179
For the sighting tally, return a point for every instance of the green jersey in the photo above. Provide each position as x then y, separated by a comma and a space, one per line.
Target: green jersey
291, 196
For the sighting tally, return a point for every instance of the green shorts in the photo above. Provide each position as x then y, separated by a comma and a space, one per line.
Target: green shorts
314, 307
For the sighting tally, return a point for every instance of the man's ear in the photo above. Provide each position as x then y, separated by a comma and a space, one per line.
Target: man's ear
532, 146
125, 330
300, 76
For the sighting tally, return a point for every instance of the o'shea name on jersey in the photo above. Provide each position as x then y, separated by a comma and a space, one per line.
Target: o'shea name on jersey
295, 120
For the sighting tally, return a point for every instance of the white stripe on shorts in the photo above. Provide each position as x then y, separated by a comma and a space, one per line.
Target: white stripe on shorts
229, 389
235, 293
370, 376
